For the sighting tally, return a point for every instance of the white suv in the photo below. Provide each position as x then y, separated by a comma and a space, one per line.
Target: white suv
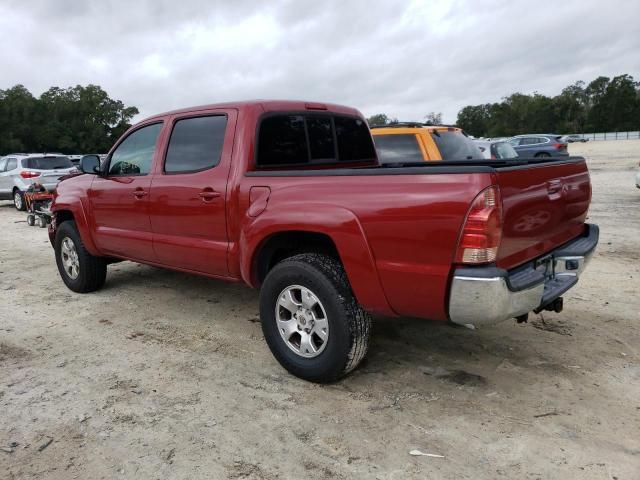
20, 170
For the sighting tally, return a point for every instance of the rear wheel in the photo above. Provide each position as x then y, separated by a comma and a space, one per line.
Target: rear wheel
542, 155
31, 220
311, 320
18, 200
80, 271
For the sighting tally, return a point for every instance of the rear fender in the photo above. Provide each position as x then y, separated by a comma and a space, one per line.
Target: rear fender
339, 224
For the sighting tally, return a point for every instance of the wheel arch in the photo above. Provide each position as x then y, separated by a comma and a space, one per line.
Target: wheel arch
334, 231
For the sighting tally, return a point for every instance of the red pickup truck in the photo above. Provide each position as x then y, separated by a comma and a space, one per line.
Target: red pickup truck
289, 197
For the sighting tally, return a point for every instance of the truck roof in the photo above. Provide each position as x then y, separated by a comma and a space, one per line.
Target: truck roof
266, 106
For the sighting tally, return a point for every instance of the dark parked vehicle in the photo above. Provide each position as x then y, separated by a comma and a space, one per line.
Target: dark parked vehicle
539, 145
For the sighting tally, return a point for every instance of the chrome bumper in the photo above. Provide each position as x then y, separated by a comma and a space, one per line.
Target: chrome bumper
486, 295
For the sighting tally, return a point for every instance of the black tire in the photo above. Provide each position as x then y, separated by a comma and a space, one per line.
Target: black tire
92, 271
542, 155
42, 222
349, 324
18, 200
31, 220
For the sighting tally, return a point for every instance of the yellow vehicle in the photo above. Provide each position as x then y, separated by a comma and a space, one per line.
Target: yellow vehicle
416, 142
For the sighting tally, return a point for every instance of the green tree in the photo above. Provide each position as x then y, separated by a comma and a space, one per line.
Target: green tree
381, 119
603, 105
69, 120
433, 118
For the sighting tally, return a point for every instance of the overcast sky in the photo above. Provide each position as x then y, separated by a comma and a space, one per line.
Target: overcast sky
398, 57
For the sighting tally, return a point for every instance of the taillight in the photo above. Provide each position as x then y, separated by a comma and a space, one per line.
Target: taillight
482, 229
29, 174
560, 146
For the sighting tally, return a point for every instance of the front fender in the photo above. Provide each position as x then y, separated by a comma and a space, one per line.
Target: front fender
339, 224
73, 199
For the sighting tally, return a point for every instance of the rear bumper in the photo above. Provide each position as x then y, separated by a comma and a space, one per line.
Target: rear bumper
486, 295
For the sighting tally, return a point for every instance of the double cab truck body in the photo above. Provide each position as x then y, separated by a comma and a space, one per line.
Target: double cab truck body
289, 197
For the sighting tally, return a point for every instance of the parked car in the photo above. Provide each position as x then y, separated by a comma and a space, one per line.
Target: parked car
496, 150
19, 171
416, 142
574, 138
289, 197
539, 145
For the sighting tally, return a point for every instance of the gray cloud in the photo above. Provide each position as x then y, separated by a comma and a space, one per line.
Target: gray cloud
402, 58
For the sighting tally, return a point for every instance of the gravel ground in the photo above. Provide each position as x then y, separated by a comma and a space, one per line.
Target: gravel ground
164, 375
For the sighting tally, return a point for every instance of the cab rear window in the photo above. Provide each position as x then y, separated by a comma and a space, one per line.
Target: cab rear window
398, 148
454, 145
47, 163
289, 140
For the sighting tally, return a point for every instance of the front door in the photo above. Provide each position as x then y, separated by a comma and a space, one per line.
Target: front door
188, 193
120, 198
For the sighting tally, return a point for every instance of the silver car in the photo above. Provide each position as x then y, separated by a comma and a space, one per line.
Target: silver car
496, 150
19, 171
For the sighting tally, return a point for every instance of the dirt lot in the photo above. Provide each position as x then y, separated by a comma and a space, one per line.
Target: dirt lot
163, 375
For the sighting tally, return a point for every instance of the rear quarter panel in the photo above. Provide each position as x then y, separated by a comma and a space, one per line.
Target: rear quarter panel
396, 234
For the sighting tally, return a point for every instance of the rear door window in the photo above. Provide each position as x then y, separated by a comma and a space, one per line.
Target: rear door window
195, 144
3, 165
303, 139
454, 145
48, 163
398, 148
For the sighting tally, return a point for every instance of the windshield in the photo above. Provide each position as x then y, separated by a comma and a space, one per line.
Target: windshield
398, 148
454, 145
48, 163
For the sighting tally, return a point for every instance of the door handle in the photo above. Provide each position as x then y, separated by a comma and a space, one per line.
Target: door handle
208, 194
139, 193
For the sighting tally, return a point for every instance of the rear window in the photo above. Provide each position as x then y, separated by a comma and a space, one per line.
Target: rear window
398, 148
195, 144
453, 145
503, 150
47, 163
301, 139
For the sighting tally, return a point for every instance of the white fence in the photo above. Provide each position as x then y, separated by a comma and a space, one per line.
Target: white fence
612, 136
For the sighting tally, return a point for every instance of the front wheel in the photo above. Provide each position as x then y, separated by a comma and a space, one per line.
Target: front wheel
80, 271
311, 320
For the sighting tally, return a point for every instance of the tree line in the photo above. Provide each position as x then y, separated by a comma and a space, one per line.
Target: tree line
603, 105
80, 119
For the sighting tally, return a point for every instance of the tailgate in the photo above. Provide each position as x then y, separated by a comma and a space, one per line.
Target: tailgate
544, 206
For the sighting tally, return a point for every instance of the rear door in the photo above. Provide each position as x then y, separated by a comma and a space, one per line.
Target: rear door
120, 198
189, 193
545, 205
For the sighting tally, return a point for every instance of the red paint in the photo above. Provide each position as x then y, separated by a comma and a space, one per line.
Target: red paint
396, 235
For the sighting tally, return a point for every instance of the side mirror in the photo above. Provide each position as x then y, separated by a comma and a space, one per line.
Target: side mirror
90, 164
